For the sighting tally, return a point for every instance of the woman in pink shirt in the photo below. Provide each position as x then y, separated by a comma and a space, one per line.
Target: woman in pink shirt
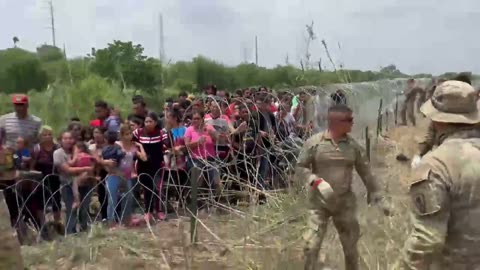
200, 143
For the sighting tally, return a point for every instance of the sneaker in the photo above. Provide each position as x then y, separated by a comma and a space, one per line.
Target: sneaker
161, 216
136, 221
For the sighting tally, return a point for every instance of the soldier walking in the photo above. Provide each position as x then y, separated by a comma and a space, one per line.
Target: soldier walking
326, 162
445, 202
408, 107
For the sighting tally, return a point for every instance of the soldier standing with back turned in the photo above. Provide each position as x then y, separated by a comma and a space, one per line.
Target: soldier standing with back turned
444, 192
408, 107
326, 162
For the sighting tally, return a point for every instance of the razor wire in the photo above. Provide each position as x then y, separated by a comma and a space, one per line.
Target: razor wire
172, 186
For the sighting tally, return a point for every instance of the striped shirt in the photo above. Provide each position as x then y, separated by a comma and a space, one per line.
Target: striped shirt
14, 127
153, 145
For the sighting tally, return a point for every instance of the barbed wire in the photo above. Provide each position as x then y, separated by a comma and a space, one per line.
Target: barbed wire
240, 173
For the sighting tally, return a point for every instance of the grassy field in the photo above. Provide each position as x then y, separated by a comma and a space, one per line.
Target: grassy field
246, 237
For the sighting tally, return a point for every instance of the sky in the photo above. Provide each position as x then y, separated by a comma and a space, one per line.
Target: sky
427, 36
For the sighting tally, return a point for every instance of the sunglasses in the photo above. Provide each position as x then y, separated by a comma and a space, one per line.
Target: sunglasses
347, 120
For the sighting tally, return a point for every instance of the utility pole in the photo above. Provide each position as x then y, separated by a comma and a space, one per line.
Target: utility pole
64, 51
256, 50
245, 54
52, 22
161, 41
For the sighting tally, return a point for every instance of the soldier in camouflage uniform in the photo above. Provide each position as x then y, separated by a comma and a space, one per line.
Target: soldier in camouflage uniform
431, 139
327, 160
444, 192
408, 107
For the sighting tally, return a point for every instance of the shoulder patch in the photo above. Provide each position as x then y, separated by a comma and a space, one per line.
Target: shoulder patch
427, 197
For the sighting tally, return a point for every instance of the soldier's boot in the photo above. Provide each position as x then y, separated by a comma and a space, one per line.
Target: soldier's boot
348, 230
351, 258
313, 237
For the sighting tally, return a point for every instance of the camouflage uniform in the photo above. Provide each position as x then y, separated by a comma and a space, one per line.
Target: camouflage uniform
408, 107
445, 202
429, 141
422, 97
322, 158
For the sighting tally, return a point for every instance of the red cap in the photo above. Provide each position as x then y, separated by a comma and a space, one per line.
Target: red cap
20, 99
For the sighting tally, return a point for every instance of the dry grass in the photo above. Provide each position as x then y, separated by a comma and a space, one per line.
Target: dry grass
265, 237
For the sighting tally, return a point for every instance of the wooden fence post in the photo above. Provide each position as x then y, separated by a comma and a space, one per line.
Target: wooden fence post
195, 174
379, 117
396, 109
367, 142
386, 120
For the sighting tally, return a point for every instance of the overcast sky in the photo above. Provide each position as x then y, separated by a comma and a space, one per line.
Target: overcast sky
431, 36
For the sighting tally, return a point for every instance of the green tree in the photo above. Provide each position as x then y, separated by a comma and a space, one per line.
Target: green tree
24, 76
124, 62
15, 41
20, 71
48, 53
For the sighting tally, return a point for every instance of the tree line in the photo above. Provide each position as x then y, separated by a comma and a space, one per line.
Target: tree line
126, 64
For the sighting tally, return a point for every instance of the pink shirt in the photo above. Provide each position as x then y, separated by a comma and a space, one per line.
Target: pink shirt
205, 150
84, 160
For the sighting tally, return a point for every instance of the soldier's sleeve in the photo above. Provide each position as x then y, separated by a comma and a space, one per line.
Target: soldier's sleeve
428, 141
362, 166
303, 169
430, 211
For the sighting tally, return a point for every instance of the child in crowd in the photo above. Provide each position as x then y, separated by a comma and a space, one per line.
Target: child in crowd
113, 151
113, 122
22, 155
81, 158
135, 123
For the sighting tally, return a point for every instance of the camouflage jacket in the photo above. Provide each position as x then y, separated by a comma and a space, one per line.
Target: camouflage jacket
321, 157
445, 206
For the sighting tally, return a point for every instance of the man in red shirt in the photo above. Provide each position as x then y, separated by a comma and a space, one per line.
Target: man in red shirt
101, 113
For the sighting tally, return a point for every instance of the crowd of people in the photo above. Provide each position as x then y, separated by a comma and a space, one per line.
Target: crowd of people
143, 160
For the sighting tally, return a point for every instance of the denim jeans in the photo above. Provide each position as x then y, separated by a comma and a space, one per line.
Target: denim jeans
72, 215
263, 171
210, 175
113, 185
210, 172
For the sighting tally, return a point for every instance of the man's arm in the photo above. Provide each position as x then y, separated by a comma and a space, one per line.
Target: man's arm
362, 166
430, 214
303, 170
428, 142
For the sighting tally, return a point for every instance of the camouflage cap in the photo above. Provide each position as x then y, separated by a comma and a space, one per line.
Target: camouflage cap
453, 102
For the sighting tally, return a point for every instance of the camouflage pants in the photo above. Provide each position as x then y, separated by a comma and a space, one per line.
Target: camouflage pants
345, 221
421, 99
10, 256
408, 110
